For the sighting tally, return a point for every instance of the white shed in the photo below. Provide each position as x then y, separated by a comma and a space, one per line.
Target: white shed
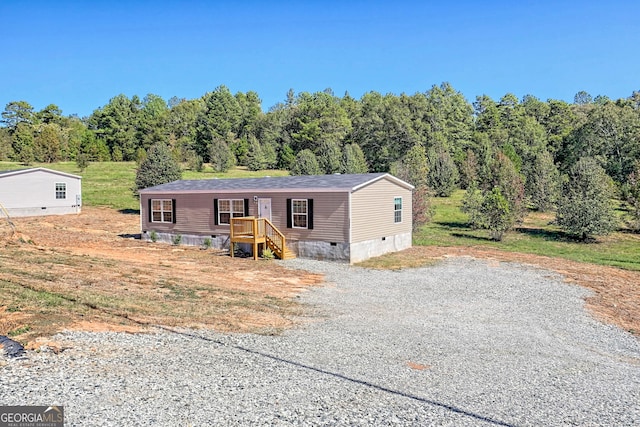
40, 191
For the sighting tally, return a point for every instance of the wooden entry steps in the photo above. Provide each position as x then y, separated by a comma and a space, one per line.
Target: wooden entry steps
256, 231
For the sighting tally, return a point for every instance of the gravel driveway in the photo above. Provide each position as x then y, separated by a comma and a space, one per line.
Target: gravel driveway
462, 343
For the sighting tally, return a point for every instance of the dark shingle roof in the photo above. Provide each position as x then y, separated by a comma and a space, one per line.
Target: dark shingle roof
347, 182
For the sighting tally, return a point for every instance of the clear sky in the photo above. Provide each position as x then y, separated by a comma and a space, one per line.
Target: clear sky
78, 55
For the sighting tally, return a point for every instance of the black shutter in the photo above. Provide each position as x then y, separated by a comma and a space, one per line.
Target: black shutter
173, 206
246, 207
215, 211
289, 225
150, 213
310, 214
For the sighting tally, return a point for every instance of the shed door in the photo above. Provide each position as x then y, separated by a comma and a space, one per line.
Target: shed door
264, 208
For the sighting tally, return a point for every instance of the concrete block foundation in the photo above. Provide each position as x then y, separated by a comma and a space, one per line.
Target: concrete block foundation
351, 253
217, 242
375, 247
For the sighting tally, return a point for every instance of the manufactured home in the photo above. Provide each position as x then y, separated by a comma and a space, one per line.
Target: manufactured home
40, 191
337, 217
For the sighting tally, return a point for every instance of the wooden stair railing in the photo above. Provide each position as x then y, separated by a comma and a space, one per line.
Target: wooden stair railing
276, 241
259, 230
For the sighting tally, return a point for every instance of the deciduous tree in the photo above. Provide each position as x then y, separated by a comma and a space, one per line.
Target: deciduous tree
632, 197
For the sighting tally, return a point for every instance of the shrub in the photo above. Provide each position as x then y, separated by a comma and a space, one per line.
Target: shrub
421, 205
267, 253
177, 239
153, 236
207, 242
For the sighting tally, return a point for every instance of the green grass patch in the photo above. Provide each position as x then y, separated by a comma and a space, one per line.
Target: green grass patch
21, 297
19, 331
537, 235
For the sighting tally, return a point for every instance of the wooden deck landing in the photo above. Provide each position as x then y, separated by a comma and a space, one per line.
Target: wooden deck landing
257, 231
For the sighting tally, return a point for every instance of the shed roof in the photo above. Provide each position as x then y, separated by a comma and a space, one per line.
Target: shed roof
30, 170
318, 183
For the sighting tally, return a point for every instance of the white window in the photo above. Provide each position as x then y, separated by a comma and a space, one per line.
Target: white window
229, 208
61, 190
397, 209
300, 213
161, 210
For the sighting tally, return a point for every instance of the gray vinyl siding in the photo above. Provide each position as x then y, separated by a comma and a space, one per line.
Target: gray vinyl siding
195, 214
372, 211
330, 216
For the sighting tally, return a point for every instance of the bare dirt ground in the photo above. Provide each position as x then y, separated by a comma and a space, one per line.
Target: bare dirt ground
88, 272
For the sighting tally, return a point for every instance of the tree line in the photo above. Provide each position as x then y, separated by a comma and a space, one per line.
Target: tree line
510, 152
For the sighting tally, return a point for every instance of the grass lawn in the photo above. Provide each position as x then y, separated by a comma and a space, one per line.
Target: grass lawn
110, 183
536, 235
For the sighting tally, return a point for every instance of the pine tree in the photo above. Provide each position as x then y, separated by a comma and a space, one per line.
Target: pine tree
158, 168
353, 160
255, 156
496, 214
543, 182
220, 156
443, 173
585, 208
499, 203
305, 163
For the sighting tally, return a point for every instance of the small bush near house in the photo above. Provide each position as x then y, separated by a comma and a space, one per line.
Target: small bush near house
153, 236
267, 253
207, 242
177, 239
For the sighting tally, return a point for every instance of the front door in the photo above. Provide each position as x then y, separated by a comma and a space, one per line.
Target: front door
264, 208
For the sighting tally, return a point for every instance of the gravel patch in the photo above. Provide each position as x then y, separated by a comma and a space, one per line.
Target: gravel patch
462, 343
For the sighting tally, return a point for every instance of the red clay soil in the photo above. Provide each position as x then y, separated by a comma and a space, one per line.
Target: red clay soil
256, 295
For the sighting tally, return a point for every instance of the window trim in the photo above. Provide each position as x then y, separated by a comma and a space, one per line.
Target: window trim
162, 211
61, 190
232, 213
397, 211
305, 214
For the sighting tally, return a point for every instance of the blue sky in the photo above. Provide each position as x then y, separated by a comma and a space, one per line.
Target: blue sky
78, 55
